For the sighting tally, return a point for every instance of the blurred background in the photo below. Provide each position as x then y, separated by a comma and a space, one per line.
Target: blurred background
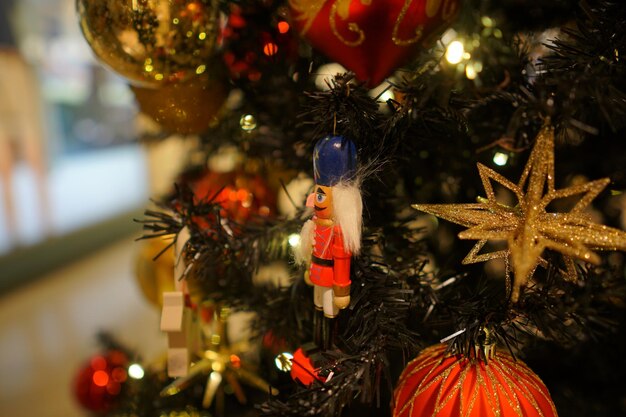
72, 179
66, 130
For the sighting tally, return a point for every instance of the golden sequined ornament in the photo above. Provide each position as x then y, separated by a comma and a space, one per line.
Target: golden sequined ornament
439, 385
151, 42
189, 107
529, 228
221, 364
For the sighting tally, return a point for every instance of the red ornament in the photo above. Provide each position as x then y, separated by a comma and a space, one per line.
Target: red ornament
302, 368
371, 37
241, 195
99, 383
438, 385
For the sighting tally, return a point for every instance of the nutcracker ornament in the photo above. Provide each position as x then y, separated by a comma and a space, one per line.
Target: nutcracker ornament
333, 235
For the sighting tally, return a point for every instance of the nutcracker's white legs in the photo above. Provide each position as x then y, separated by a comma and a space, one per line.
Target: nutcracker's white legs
323, 300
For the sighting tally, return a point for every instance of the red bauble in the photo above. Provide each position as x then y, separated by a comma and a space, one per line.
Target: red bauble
438, 385
373, 37
99, 383
243, 196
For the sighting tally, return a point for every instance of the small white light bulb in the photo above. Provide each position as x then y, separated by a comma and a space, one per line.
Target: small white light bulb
470, 72
500, 159
283, 361
387, 95
455, 52
294, 240
135, 371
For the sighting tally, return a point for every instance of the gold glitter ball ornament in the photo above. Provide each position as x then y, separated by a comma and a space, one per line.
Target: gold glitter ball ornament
151, 42
439, 385
529, 227
189, 107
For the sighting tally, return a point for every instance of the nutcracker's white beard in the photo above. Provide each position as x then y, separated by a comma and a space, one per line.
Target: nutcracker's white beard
303, 252
347, 214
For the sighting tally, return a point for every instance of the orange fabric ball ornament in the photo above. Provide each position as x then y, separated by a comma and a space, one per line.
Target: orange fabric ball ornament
438, 385
243, 196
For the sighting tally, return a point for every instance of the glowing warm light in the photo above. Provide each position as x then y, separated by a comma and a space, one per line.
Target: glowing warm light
470, 72
455, 52
283, 27
217, 366
387, 95
500, 159
294, 240
270, 49
283, 361
200, 69
135, 371
100, 378
216, 377
235, 361
487, 21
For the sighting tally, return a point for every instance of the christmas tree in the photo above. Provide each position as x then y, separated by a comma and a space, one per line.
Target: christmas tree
465, 174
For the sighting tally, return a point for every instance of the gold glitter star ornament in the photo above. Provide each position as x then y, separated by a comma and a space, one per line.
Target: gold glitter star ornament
222, 366
529, 228
436, 384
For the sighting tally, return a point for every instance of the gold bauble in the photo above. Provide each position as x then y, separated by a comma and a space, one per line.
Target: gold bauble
155, 276
151, 42
189, 107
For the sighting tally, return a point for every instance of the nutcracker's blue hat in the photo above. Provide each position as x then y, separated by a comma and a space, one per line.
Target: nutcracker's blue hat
334, 160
